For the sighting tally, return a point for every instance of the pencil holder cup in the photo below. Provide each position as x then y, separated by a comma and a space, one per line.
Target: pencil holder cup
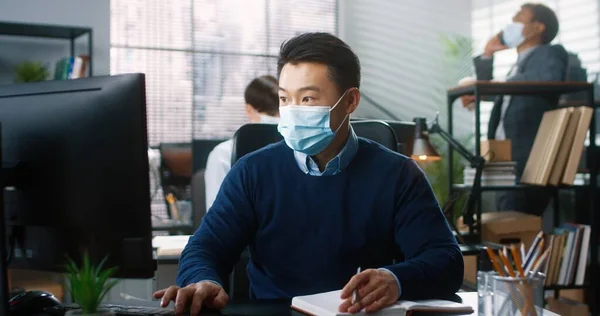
485, 292
518, 296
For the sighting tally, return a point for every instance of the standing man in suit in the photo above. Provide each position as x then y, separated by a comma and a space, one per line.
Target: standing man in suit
518, 117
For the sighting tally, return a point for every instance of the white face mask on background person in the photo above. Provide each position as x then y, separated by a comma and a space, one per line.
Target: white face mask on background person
512, 34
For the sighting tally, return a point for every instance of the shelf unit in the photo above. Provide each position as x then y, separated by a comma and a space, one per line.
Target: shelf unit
480, 89
69, 33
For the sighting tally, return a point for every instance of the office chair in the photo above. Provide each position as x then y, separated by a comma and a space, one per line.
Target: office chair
377, 131
405, 133
247, 139
175, 172
252, 137
198, 197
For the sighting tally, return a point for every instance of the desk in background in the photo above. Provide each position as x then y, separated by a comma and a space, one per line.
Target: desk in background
168, 250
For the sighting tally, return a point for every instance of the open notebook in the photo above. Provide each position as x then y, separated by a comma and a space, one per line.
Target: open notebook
325, 304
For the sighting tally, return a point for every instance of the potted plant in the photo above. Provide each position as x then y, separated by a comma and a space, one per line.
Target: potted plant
88, 286
31, 72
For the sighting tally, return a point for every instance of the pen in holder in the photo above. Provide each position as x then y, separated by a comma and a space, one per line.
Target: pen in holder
518, 296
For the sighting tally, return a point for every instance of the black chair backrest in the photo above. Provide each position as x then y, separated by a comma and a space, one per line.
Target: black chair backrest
247, 139
252, 137
377, 131
405, 132
201, 148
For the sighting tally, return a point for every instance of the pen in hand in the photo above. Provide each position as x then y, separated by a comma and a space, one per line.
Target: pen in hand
355, 297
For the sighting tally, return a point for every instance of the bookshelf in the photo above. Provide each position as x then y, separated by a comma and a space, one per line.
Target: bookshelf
480, 89
67, 33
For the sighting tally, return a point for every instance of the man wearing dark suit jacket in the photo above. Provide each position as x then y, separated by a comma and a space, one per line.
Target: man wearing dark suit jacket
518, 117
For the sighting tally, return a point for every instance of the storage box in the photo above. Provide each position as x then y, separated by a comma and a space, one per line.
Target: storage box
507, 227
496, 150
563, 306
502, 228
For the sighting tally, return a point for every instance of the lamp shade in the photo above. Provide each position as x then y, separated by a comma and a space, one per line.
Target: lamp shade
422, 148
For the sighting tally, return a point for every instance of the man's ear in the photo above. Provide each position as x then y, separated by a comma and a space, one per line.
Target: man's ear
539, 28
353, 100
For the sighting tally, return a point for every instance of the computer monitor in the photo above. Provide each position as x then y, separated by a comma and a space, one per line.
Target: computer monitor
82, 184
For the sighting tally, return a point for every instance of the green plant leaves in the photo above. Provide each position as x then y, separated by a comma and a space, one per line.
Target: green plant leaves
31, 72
89, 284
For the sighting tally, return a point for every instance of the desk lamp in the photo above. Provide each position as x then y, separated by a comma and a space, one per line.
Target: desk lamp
424, 151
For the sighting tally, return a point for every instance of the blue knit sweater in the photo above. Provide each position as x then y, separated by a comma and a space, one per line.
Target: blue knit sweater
308, 234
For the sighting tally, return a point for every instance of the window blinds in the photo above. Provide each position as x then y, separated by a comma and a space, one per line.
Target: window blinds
199, 55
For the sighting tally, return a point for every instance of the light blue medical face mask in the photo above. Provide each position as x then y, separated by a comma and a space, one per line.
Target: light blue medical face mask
306, 129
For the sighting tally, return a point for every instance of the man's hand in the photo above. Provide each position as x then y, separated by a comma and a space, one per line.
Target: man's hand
468, 101
193, 297
376, 289
492, 46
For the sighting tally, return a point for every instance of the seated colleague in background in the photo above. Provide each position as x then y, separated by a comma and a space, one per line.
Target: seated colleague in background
262, 106
518, 117
321, 204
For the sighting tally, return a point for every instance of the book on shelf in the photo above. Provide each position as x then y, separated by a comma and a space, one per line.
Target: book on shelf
493, 174
71, 67
558, 147
569, 255
327, 303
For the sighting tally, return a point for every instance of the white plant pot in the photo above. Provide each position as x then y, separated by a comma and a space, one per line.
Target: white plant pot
102, 312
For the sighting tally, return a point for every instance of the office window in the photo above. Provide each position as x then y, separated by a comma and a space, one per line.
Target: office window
199, 55
579, 33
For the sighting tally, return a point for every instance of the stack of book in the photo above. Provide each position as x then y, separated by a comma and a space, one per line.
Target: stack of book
570, 245
558, 146
71, 67
493, 174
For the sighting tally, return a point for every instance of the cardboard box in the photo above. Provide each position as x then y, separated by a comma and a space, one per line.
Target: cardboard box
563, 306
507, 227
496, 150
470, 275
502, 228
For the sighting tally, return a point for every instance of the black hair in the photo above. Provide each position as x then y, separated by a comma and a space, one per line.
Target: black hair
324, 48
261, 94
546, 16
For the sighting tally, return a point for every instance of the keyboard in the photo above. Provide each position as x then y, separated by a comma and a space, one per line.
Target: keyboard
120, 310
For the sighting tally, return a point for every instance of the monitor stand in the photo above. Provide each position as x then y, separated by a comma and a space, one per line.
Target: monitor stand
4, 296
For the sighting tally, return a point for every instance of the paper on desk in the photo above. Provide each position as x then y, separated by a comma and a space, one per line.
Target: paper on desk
170, 242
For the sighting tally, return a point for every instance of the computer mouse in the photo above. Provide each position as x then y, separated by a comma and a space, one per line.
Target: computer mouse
31, 302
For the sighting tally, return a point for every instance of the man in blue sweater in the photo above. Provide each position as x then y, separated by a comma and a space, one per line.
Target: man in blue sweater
323, 203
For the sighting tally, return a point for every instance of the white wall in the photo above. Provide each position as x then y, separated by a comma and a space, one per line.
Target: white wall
401, 51
85, 13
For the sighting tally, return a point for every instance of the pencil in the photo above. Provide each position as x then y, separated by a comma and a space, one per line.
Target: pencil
517, 258
540, 262
507, 264
495, 261
522, 252
355, 297
533, 248
538, 254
